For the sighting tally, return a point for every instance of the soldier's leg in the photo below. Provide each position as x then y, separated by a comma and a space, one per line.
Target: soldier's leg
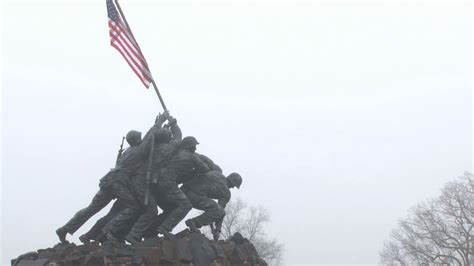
100, 200
148, 212
172, 194
120, 235
166, 208
126, 214
151, 230
212, 210
144, 222
96, 231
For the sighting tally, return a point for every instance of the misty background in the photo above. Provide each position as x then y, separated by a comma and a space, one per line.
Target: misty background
339, 116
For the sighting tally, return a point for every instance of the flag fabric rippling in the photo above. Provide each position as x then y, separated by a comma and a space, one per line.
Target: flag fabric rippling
121, 38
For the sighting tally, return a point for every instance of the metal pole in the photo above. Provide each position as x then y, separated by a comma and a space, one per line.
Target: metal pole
140, 51
159, 95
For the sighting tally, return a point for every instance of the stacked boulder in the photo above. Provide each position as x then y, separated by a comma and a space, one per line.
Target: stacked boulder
186, 248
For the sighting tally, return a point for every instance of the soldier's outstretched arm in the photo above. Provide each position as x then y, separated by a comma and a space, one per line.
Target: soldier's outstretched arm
218, 228
224, 200
160, 119
177, 134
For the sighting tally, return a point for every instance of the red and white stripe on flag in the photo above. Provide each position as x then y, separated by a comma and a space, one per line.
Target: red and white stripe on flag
125, 44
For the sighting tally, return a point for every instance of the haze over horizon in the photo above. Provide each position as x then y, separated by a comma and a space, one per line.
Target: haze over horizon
339, 116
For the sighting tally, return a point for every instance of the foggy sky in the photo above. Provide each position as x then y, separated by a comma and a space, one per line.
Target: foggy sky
339, 117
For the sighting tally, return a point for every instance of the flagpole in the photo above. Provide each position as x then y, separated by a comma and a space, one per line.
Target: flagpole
159, 95
139, 50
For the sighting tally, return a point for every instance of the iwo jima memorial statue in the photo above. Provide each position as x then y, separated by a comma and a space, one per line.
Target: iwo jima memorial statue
161, 170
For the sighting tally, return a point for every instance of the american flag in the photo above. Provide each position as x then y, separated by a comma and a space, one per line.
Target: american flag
121, 38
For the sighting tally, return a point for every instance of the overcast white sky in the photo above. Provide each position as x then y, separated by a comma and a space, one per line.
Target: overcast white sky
339, 116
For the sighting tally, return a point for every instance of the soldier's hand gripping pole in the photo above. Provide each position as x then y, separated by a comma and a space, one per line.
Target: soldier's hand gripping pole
148, 172
120, 151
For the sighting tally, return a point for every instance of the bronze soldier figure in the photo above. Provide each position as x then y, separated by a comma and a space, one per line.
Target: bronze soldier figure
167, 206
178, 169
168, 145
115, 185
174, 165
203, 190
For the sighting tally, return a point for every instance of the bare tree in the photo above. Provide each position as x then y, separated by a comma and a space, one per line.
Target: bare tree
392, 254
250, 222
270, 250
233, 220
436, 231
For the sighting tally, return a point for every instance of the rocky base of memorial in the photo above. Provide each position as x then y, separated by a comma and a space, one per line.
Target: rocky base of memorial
185, 249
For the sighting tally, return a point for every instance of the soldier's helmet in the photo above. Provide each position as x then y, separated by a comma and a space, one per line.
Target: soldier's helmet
134, 137
235, 179
189, 142
163, 135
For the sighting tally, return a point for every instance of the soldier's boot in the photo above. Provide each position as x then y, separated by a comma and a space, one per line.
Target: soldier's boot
167, 235
110, 237
150, 234
85, 239
62, 232
193, 227
132, 239
100, 238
